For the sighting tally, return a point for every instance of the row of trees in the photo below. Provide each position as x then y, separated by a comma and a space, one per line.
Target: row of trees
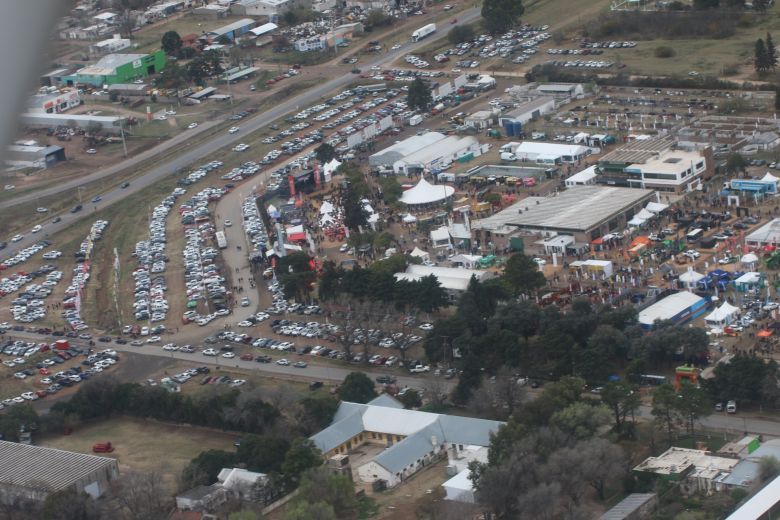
548, 456
376, 282
765, 55
228, 409
490, 330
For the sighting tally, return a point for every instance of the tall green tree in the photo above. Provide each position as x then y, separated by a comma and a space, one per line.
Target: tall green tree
522, 274
325, 153
357, 387
665, 410
355, 215
622, 402
171, 43
419, 95
302, 455
771, 52
693, 403
760, 57
501, 15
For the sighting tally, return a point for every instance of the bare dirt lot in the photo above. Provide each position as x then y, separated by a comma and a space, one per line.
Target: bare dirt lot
144, 445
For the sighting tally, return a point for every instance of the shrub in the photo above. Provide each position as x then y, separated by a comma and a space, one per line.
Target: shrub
664, 52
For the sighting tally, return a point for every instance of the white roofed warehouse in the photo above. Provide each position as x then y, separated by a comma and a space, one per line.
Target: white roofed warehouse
441, 153
680, 308
33, 472
401, 149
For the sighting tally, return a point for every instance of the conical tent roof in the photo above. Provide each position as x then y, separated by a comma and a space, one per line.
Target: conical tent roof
749, 258
426, 193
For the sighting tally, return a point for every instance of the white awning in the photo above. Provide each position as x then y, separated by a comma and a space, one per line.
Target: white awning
644, 214
769, 178
656, 207
636, 221
748, 279
409, 218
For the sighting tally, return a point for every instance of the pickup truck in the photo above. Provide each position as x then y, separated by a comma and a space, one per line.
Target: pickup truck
419, 369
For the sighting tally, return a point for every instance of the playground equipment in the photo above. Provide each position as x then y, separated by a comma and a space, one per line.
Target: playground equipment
685, 372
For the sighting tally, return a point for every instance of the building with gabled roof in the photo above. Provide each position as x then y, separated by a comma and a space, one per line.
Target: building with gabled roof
410, 439
33, 472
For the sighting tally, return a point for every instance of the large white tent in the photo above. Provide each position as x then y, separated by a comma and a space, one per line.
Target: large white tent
426, 193
690, 278
722, 316
749, 261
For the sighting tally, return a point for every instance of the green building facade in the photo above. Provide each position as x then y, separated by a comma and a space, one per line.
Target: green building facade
118, 68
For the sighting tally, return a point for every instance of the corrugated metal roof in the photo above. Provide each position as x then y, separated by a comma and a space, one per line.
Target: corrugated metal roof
385, 415
627, 506
46, 468
759, 504
409, 450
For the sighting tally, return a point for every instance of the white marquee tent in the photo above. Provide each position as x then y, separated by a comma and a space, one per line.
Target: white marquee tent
690, 278
722, 316
426, 193
749, 261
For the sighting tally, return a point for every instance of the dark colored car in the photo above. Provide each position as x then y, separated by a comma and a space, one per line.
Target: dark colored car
76, 208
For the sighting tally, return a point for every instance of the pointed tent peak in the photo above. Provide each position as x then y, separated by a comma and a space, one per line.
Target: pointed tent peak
769, 178
425, 193
749, 258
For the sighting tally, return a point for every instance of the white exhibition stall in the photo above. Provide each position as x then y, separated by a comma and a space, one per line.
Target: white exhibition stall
749, 261
722, 316
690, 278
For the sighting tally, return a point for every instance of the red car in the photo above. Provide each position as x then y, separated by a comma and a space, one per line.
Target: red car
247, 357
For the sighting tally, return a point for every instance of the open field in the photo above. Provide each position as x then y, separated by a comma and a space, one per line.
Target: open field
144, 445
148, 38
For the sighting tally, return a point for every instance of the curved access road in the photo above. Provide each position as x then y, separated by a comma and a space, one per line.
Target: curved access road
247, 126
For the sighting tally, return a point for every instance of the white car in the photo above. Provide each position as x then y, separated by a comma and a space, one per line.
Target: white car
228, 223
17, 238
233, 130
540, 261
283, 362
692, 254
192, 125
426, 326
209, 352
228, 355
37, 228
153, 339
395, 47
42, 210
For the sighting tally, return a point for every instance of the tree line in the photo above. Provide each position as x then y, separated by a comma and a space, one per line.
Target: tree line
491, 329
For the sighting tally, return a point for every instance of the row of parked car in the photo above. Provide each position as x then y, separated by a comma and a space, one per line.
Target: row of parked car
72, 297
149, 301
256, 234
525, 41
23, 254
54, 381
202, 275
30, 305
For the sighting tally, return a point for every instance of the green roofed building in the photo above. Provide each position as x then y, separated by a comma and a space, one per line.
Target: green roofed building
118, 68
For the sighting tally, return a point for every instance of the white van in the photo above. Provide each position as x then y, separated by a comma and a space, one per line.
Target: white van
508, 156
731, 407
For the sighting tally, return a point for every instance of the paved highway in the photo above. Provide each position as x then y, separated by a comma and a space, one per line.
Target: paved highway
200, 153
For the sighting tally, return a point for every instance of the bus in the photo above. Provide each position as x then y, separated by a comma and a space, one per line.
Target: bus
694, 235
652, 380
221, 239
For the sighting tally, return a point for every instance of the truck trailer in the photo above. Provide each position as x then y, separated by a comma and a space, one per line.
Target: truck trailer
221, 239
423, 31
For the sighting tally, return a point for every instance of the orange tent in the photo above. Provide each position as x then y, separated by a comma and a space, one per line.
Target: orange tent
763, 333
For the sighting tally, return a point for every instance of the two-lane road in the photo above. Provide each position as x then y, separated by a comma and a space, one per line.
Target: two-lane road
193, 156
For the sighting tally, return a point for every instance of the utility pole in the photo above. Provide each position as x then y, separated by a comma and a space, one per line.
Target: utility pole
122, 133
